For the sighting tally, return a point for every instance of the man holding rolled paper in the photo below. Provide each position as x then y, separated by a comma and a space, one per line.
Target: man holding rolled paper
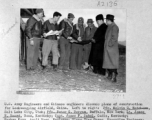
50, 43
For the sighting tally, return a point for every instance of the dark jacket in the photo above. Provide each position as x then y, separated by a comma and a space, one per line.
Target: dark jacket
89, 34
33, 27
50, 25
99, 35
68, 28
96, 57
76, 32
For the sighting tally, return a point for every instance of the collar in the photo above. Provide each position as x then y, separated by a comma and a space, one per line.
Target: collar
66, 20
112, 24
77, 26
93, 26
35, 16
51, 21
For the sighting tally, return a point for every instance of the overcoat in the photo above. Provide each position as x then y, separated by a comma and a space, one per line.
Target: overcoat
111, 51
96, 57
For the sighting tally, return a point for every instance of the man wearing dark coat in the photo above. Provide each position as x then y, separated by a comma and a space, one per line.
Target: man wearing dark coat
98, 46
33, 31
111, 51
64, 43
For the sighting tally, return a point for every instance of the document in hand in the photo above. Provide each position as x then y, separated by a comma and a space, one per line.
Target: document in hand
51, 32
73, 41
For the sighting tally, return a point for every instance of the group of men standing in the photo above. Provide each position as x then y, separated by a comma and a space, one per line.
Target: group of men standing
73, 47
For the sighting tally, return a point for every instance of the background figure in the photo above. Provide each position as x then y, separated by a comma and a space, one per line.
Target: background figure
33, 31
89, 33
77, 49
111, 51
50, 42
22, 40
98, 46
64, 42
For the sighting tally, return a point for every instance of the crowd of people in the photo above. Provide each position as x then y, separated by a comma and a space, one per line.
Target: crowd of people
73, 46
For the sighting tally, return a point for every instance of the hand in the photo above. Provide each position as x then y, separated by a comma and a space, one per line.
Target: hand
57, 32
58, 37
31, 41
70, 38
72, 41
60, 32
79, 39
93, 41
44, 35
110, 44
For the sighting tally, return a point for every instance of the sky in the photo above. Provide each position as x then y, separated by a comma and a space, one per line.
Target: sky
120, 17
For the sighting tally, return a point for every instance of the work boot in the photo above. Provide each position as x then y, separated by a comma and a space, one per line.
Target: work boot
109, 75
95, 70
113, 79
44, 67
55, 67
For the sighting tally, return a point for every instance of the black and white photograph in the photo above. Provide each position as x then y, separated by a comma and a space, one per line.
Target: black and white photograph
72, 50
75, 60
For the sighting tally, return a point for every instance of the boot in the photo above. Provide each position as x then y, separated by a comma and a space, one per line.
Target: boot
109, 75
95, 70
113, 79
102, 71
44, 67
55, 67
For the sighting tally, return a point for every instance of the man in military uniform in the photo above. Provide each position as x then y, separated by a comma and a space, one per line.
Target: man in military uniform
64, 42
89, 33
33, 31
50, 42
77, 49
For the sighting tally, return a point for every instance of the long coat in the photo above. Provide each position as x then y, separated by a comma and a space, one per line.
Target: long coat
96, 57
111, 51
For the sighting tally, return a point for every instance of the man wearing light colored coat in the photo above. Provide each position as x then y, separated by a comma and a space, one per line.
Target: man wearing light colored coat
111, 51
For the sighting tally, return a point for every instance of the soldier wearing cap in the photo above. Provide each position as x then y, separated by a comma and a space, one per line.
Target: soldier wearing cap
111, 51
64, 43
33, 31
89, 33
77, 49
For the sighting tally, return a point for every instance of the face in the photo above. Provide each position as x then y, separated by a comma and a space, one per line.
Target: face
108, 22
71, 19
40, 15
57, 18
80, 23
90, 24
99, 22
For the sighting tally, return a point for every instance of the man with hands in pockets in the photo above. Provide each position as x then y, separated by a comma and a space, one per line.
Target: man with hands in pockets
111, 50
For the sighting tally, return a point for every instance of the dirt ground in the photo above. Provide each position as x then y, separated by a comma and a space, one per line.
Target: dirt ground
67, 81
